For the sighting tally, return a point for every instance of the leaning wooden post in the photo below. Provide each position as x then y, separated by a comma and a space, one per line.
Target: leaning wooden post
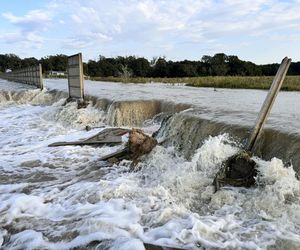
239, 169
268, 103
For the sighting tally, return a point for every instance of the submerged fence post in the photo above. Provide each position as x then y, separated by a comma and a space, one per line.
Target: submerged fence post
75, 78
268, 103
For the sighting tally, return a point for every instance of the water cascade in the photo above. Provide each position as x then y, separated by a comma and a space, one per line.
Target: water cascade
65, 198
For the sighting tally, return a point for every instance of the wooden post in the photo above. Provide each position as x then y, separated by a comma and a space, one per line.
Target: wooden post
268, 103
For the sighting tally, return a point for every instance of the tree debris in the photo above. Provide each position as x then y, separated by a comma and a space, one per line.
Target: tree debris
239, 171
108, 136
138, 145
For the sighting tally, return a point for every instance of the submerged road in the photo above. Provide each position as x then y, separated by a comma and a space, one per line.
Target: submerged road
236, 106
232, 106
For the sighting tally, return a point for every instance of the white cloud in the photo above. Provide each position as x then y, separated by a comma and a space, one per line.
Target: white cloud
84, 40
29, 28
152, 27
31, 16
126, 21
181, 20
76, 19
34, 20
25, 40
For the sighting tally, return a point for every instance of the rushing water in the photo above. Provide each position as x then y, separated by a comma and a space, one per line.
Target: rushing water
234, 106
65, 198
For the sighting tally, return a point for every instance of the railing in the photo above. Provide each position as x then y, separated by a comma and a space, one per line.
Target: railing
31, 75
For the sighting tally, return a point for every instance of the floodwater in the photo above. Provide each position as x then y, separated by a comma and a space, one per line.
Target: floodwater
235, 106
66, 198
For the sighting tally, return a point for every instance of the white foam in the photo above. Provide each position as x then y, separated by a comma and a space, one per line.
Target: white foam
9, 188
64, 197
3, 233
213, 152
21, 205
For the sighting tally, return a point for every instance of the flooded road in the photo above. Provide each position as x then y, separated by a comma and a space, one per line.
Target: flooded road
66, 198
238, 106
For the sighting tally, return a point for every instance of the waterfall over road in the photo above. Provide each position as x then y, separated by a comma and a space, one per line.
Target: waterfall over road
65, 198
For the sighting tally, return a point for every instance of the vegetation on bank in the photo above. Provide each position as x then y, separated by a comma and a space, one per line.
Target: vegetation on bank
219, 71
217, 65
291, 83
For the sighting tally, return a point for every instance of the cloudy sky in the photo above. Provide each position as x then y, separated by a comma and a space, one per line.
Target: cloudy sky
262, 31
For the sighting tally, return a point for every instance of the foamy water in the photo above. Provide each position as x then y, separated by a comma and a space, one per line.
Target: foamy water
64, 197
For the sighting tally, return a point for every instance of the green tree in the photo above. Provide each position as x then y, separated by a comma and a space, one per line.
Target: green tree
219, 64
31, 61
182, 69
235, 66
92, 68
160, 68
140, 67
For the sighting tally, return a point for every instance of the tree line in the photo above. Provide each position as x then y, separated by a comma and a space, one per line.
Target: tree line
218, 65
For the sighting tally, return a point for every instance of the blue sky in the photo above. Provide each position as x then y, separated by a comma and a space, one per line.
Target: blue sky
262, 31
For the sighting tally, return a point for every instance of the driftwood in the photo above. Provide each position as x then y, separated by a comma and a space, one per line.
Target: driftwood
118, 154
138, 145
88, 128
111, 136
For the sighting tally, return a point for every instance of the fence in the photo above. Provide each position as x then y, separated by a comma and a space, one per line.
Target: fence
75, 77
31, 75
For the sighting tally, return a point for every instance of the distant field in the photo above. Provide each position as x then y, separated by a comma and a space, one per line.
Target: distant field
291, 83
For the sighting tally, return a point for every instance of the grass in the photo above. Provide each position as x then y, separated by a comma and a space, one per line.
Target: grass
291, 83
